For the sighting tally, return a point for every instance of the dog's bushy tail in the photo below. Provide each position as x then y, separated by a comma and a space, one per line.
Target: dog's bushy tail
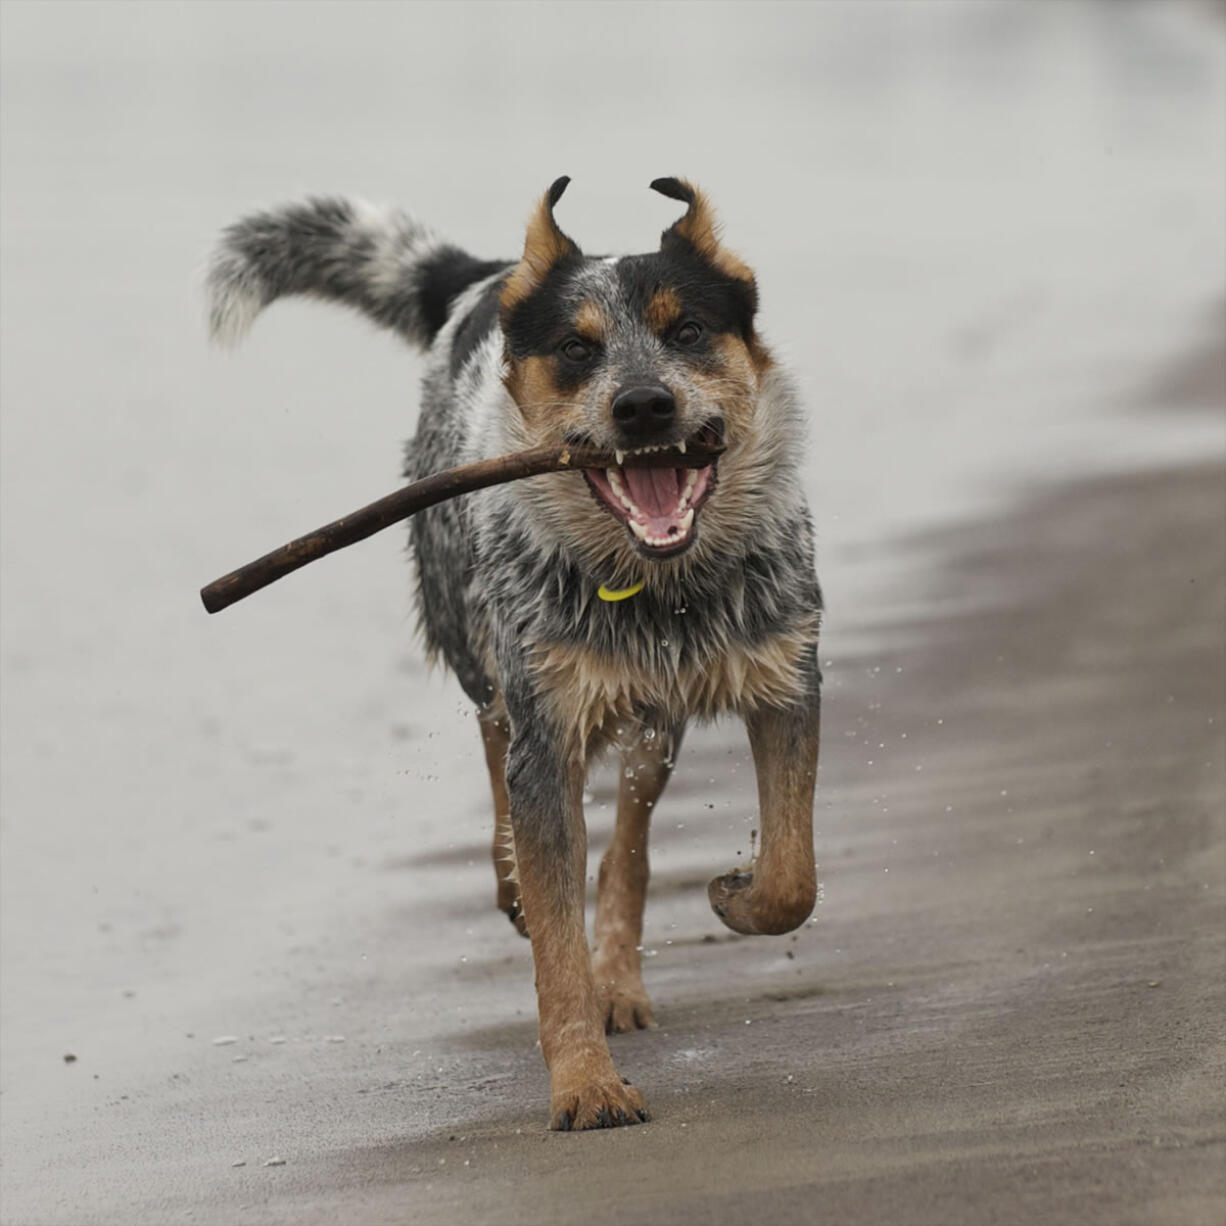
378, 260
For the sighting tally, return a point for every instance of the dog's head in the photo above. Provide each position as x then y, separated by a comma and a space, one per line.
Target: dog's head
653, 351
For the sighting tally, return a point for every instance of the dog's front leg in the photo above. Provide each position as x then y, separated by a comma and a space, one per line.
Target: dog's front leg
778, 892
545, 769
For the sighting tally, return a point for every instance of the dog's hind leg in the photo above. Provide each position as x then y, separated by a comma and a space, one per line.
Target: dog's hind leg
778, 891
622, 888
496, 738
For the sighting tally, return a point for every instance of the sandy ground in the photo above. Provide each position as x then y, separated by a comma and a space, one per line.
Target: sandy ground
245, 875
1009, 1007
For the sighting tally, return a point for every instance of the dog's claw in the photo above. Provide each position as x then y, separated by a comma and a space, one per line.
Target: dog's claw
615, 1104
627, 1007
624, 1015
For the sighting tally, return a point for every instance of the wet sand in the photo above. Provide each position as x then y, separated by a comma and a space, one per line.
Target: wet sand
1009, 1006
245, 859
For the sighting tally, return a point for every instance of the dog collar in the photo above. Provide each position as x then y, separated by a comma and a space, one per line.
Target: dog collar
610, 595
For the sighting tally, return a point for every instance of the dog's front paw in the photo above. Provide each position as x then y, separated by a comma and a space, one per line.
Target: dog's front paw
626, 1009
602, 1104
748, 907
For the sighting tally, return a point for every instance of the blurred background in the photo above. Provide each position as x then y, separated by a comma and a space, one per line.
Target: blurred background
989, 240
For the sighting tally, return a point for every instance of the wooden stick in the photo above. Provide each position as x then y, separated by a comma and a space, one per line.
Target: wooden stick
438, 487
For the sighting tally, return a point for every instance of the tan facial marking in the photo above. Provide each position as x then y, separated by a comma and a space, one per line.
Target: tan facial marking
590, 321
759, 355
663, 310
733, 381
546, 409
544, 246
700, 226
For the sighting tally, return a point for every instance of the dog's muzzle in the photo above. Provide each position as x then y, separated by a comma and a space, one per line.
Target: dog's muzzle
658, 505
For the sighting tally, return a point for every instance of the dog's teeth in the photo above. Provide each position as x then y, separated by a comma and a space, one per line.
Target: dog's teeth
615, 484
619, 456
687, 521
681, 446
639, 530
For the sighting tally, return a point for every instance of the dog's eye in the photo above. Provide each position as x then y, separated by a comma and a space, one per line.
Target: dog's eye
689, 333
576, 350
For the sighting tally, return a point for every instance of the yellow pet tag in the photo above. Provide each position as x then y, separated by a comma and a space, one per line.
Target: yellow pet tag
621, 593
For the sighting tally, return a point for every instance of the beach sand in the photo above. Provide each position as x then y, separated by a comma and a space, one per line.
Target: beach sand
246, 879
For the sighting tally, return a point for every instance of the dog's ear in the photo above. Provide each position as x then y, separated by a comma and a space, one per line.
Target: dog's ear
544, 246
699, 229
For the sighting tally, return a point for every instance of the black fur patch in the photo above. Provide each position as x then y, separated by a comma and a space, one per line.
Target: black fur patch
674, 189
443, 276
717, 301
722, 304
537, 323
475, 327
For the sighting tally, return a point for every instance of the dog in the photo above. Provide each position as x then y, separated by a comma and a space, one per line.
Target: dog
597, 609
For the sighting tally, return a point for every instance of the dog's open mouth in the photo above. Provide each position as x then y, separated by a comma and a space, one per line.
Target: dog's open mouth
659, 505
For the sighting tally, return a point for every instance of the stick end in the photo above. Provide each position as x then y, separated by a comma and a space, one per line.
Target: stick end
213, 601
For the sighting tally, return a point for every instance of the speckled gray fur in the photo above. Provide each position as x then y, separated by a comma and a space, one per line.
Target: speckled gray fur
498, 574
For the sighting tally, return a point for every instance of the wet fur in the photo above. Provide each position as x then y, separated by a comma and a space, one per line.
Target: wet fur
507, 578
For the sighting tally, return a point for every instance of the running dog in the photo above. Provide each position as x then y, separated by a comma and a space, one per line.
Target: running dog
601, 608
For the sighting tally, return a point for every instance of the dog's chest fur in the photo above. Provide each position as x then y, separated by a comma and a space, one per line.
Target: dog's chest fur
595, 692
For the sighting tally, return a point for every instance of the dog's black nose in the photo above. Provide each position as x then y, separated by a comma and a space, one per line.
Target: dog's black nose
643, 411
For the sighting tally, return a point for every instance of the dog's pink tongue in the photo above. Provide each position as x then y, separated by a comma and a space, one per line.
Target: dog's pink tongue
656, 491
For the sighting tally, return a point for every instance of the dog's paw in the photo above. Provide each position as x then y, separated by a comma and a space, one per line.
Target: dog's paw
750, 909
626, 1010
603, 1104
728, 901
